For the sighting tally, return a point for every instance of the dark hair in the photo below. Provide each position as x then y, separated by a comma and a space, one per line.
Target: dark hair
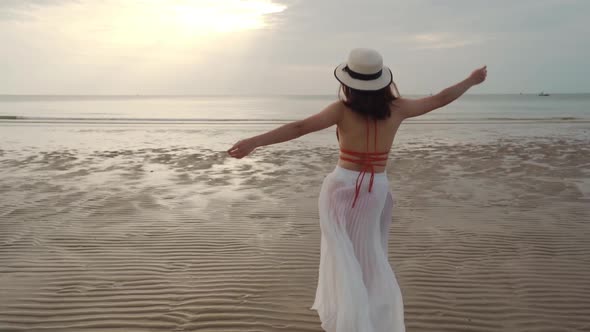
374, 104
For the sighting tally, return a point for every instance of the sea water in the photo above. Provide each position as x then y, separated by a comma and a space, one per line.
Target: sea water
216, 121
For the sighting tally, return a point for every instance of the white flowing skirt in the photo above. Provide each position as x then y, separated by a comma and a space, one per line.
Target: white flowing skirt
357, 289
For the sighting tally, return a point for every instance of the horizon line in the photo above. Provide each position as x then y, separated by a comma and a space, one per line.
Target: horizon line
252, 94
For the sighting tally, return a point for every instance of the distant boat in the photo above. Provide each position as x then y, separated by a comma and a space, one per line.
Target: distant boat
543, 94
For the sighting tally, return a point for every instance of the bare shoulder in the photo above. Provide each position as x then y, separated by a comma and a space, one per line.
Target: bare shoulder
329, 116
400, 102
338, 105
335, 110
400, 106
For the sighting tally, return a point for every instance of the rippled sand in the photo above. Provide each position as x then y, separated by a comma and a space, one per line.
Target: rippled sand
486, 237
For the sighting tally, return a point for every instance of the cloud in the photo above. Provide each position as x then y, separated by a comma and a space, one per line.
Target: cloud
19, 10
28, 3
438, 40
79, 46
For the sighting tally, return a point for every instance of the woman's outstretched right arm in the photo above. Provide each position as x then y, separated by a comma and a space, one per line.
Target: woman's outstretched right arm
415, 107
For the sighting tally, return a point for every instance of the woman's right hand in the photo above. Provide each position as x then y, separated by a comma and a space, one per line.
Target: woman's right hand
478, 75
242, 148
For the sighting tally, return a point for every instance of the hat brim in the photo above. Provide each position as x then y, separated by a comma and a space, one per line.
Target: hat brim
377, 84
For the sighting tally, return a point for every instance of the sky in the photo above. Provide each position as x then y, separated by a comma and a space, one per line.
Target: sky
266, 47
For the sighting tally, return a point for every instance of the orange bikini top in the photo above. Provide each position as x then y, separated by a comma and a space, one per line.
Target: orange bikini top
368, 159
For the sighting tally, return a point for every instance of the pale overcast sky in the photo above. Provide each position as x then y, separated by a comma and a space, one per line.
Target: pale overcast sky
288, 46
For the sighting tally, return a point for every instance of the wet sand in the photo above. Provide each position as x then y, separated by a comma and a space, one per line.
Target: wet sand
485, 237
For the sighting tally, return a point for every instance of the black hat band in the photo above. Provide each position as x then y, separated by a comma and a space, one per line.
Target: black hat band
362, 77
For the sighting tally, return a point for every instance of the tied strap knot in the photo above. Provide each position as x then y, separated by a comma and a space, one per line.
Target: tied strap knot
361, 177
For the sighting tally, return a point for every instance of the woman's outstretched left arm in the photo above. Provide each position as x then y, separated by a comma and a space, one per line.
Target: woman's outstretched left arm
326, 118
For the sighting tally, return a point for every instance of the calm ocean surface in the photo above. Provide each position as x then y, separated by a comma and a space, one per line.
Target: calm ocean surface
88, 123
471, 108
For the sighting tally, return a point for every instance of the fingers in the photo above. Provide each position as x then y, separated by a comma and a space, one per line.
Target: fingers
237, 151
231, 151
483, 71
484, 68
237, 155
234, 148
234, 152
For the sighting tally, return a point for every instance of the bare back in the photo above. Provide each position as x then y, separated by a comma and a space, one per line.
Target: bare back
352, 133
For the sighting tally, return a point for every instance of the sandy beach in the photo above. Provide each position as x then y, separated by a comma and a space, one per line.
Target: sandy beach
486, 236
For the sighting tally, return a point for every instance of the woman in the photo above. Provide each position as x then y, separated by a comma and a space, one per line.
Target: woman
357, 288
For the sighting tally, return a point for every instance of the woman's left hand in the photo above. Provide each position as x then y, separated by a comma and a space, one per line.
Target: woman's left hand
242, 148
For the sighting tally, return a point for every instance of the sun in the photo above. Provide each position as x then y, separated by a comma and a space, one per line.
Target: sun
209, 17
175, 23
157, 31
187, 22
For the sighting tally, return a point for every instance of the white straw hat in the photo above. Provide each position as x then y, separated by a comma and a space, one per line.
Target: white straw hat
364, 70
